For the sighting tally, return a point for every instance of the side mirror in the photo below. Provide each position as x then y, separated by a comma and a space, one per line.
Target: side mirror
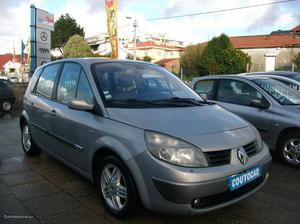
258, 104
203, 96
80, 105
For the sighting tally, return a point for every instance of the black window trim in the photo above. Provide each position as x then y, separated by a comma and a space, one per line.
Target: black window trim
265, 99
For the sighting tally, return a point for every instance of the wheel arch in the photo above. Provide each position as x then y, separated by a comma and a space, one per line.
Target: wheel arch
99, 154
285, 132
23, 118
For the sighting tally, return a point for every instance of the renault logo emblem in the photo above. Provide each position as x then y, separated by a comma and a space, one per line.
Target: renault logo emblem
242, 156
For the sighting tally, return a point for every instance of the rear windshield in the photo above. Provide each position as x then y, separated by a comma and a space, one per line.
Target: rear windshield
121, 82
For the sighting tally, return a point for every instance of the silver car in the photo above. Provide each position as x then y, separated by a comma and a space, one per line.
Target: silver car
142, 136
271, 106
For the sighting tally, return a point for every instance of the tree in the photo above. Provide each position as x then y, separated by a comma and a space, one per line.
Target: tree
77, 47
297, 62
191, 60
147, 58
64, 28
220, 57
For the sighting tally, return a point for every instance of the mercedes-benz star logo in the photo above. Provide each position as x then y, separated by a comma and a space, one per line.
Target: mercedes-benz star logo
242, 155
44, 36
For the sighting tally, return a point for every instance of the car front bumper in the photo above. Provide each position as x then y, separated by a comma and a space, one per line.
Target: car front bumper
172, 189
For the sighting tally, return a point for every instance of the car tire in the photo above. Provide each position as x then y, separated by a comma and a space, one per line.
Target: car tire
289, 149
116, 187
6, 106
28, 145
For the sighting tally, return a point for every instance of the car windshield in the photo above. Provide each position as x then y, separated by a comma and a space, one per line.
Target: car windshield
280, 92
295, 77
140, 84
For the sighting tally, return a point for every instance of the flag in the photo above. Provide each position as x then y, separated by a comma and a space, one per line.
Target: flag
112, 26
22, 51
28, 50
14, 53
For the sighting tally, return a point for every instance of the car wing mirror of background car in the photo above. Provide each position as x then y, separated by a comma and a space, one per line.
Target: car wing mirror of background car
259, 104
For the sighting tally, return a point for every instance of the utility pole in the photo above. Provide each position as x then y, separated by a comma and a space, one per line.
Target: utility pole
134, 39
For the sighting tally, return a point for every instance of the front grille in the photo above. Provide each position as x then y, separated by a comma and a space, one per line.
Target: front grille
218, 158
216, 199
251, 148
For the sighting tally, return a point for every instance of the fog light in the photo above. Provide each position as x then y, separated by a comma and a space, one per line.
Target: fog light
196, 202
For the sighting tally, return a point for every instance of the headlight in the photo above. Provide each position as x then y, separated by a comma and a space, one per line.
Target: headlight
258, 139
174, 151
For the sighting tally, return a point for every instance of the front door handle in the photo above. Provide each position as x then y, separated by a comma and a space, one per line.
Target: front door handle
52, 112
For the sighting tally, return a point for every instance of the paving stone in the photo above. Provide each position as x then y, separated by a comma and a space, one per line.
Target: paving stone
13, 211
4, 190
282, 199
78, 215
141, 216
59, 177
277, 215
248, 208
36, 189
30, 159
45, 167
20, 178
51, 204
12, 167
228, 219
196, 219
93, 202
78, 188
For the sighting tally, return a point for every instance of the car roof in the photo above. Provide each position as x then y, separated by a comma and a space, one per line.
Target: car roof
238, 76
279, 73
93, 60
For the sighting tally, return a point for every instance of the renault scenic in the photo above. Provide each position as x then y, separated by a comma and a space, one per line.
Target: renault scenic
142, 136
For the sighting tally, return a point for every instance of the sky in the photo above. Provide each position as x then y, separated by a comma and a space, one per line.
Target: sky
90, 14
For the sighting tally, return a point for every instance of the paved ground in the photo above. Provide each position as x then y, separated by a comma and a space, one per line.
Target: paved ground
41, 190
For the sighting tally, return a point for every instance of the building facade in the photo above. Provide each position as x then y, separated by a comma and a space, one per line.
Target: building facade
275, 51
157, 48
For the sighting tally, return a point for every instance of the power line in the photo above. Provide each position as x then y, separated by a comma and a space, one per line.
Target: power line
217, 11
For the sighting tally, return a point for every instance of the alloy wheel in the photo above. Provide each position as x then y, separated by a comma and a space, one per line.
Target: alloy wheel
6, 106
113, 187
26, 138
291, 151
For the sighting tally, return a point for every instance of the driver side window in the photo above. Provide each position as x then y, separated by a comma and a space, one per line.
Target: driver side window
237, 92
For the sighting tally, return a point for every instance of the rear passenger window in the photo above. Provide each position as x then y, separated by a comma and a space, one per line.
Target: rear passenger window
68, 82
46, 81
205, 87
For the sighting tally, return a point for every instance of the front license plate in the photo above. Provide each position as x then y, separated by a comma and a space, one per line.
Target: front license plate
238, 180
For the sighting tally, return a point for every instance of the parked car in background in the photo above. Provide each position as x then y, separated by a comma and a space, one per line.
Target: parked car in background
140, 134
13, 79
272, 107
288, 74
283, 79
7, 97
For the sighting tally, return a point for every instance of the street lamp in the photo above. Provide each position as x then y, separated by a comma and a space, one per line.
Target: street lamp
134, 37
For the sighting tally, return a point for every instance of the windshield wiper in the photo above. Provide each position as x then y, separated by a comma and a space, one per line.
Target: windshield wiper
178, 100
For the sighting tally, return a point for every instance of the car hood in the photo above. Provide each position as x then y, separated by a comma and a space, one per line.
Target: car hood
187, 123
